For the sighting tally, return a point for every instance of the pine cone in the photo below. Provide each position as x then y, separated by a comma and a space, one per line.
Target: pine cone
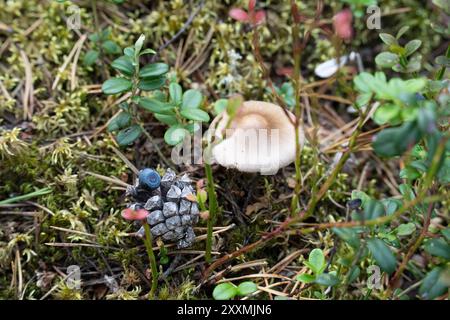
172, 211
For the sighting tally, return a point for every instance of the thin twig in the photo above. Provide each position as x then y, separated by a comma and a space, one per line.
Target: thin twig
180, 32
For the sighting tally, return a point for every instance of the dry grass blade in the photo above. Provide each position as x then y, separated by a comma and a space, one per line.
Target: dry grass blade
73, 77
28, 95
112, 180
126, 161
67, 61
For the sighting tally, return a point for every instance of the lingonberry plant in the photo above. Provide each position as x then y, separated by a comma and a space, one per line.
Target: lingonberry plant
100, 42
135, 79
180, 111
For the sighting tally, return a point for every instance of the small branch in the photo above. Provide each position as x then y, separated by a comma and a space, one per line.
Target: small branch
331, 178
395, 279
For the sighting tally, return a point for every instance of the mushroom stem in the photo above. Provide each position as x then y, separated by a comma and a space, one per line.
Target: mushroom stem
212, 202
151, 257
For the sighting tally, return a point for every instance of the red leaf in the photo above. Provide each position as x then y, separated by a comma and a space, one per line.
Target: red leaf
238, 14
285, 71
343, 24
260, 16
251, 5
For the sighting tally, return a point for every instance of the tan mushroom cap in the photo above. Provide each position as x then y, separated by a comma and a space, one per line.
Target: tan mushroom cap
260, 138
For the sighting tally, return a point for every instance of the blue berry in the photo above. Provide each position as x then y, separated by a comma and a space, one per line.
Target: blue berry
149, 178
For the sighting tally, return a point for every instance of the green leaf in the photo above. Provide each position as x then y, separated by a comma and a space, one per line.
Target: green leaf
406, 229
129, 52
362, 81
234, 103
391, 205
124, 65
409, 173
175, 92
150, 84
373, 209
193, 127
129, 135
104, 34
386, 59
414, 85
90, 57
388, 39
147, 51
412, 47
363, 99
116, 85
446, 233
414, 64
382, 255
354, 274
167, 119
316, 261
220, 105
153, 70
175, 135
120, 121
225, 291
419, 165
407, 192
433, 284
139, 43
349, 235
94, 37
387, 113
397, 49
192, 99
402, 31
246, 288
442, 61
124, 106
426, 119
438, 247
195, 114
395, 141
305, 278
159, 95
327, 279
155, 106
111, 47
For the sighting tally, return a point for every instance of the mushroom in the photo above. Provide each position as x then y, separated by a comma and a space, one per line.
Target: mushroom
259, 138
